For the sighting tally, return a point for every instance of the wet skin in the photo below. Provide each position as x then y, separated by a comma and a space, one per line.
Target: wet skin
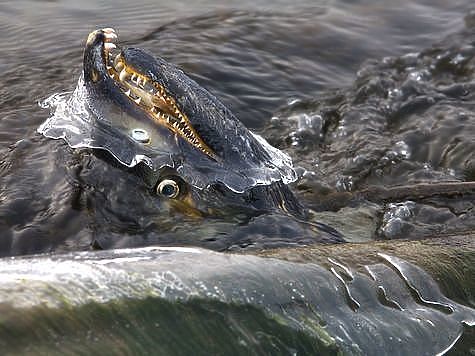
131, 88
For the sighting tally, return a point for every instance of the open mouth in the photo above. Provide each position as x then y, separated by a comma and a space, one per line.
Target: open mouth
149, 95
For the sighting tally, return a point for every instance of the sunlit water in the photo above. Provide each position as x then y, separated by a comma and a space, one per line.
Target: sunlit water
359, 94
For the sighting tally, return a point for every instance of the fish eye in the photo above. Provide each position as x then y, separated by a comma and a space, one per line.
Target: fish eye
168, 188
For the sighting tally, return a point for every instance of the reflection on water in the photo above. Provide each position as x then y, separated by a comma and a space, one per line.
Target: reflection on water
359, 94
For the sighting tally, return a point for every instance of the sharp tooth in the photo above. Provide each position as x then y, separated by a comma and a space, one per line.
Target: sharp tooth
108, 30
112, 75
123, 75
110, 36
133, 77
108, 46
138, 100
118, 63
119, 66
127, 92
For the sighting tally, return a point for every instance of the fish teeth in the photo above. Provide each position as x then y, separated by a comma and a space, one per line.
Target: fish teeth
118, 63
110, 36
109, 33
123, 75
109, 45
119, 66
157, 100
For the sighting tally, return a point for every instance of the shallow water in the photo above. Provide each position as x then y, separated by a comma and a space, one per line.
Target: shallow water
360, 94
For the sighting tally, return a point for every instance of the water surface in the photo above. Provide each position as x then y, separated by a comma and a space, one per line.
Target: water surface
359, 93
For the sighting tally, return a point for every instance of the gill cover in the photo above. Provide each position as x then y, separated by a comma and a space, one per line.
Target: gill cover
98, 114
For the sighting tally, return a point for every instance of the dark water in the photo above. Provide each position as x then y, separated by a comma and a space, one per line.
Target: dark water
360, 94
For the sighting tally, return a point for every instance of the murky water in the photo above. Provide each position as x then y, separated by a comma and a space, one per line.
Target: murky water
361, 94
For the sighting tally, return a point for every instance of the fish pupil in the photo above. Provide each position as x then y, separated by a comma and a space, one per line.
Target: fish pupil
169, 190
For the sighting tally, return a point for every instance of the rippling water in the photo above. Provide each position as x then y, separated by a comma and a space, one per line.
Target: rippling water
361, 94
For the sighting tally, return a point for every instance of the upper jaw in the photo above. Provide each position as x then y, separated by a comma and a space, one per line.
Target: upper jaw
240, 154
141, 90
105, 35
103, 40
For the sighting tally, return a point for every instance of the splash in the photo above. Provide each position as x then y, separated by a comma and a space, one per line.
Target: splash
72, 121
